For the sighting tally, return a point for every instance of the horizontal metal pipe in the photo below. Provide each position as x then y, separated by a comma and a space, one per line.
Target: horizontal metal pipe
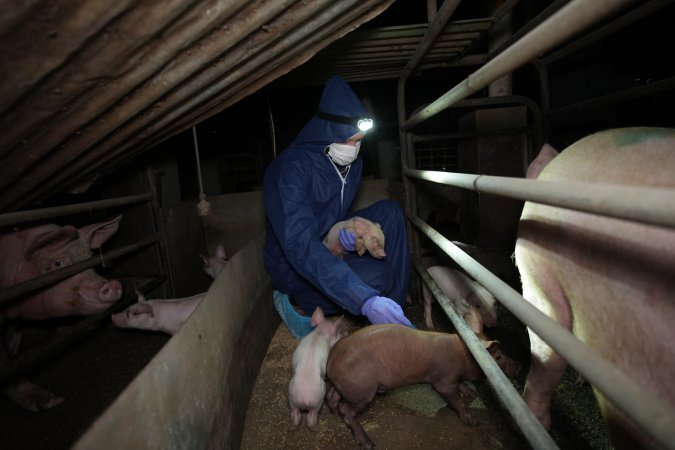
60, 211
532, 429
645, 205
648, 410
11, 292
569, 20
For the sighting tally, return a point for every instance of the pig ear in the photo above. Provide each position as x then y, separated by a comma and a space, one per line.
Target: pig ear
545, 156
220, 252
141, 308
317, 317
359, 246
360, 226
97, 233
492, 346
65, 234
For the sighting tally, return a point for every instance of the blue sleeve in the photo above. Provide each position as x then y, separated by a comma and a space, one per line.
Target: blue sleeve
290, 212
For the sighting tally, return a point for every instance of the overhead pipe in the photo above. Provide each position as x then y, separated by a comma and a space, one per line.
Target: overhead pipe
645, 205
647, 409
528, 423
60, 211
569, 20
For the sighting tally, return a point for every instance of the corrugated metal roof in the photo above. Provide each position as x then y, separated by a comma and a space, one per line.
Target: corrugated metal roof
87, 84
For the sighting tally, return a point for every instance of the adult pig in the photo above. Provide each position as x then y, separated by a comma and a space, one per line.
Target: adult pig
307, 388
376, 358
609, 281
38, 250
463, 291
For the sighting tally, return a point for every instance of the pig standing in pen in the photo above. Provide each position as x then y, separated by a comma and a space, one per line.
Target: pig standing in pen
376, 358
609, 281
168, 315
42, 249
307, 387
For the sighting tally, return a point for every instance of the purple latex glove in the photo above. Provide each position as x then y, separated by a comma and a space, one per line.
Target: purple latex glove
384, 310
348, 240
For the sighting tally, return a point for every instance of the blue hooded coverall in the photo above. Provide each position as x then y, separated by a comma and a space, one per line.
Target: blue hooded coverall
305, 195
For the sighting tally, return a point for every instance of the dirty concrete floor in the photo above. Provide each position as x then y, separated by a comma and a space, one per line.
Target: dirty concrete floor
416, 417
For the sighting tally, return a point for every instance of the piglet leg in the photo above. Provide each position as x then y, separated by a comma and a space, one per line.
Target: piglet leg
450, 393
360, 435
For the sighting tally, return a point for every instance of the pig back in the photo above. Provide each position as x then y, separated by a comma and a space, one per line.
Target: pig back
387, 355
610, 280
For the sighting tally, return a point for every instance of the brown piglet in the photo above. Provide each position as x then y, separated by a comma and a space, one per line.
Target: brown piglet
381, 357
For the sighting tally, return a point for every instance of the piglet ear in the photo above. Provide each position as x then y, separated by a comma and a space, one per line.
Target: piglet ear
97, 233
360, 226
220, 252
492, 346
317, 317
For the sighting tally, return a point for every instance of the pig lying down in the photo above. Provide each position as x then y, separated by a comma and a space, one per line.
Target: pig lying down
42, 249
369, 236
307, 387
610, 281
376, 358
168, 315
463, 291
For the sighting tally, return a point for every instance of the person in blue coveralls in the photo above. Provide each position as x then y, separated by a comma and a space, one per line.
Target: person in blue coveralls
307, 189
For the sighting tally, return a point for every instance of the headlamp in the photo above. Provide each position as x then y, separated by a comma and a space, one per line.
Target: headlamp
362, 123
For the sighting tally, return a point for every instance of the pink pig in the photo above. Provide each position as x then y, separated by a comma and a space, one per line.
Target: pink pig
39, 250
46, 248
307, 388
463, 291
376, 358
168, 315
609, 281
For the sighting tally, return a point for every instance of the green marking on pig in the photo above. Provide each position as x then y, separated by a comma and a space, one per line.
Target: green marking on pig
634, 136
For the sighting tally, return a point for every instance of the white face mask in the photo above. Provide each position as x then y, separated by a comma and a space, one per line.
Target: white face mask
343, 154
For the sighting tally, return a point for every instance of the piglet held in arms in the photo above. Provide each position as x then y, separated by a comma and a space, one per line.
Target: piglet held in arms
377, 358
307, 387
369, 236
609, 281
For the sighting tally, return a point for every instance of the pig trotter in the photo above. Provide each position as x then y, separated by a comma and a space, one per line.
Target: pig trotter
360, 435
31, 396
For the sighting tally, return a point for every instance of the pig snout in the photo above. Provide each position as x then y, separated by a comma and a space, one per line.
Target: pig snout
110, 292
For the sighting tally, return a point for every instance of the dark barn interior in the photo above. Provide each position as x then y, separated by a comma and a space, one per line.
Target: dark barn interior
146, 110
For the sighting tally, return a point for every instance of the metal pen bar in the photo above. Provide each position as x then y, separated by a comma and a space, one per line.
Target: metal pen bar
569, 20
59, 211
29, 360
655, 206
48, 279
532, 429
643, 406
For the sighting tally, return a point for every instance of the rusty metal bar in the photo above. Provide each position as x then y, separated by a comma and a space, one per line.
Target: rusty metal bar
532, 429
30, 359
569, 20
645, 205
11, 292
59, 211
648, 410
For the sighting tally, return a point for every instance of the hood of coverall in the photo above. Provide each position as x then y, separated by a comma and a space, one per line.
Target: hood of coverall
338, 99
